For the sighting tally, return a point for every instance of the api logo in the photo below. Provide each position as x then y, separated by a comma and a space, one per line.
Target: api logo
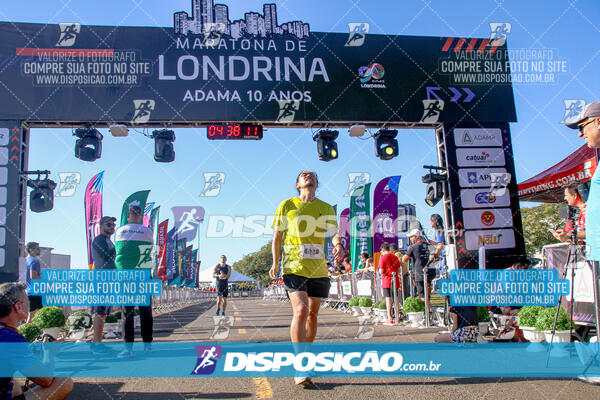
488, 218
207, 359
485, 198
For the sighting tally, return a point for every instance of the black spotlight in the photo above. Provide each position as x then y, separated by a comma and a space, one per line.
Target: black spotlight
326, 145
435, 192
42, 196
435, 185
386, 145
89, 145
163, 145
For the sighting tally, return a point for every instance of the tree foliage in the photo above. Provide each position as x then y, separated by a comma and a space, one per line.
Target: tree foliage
257, 265
537, 222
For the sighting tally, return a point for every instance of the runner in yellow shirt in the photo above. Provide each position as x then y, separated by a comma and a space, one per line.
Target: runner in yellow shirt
306, 222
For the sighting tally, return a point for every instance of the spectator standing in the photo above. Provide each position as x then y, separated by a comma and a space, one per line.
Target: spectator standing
134, 250
388, 264
103, 254
34, 271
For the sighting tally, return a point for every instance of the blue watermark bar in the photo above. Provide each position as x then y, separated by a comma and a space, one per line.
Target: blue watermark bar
540, 287
228, 359
102, 287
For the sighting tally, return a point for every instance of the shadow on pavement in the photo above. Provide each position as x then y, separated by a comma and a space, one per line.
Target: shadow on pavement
92, 391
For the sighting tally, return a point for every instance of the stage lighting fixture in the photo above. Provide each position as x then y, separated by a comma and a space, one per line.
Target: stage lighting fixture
89, 145
41, 197
163, 145
326, 145
435, 185
434, 193
386, 145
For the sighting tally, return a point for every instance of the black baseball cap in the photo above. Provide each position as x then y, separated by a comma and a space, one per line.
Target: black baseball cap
591, 110
105, 219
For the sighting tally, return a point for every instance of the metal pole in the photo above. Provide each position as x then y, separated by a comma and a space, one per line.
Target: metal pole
402, 285
426, 288
395, 300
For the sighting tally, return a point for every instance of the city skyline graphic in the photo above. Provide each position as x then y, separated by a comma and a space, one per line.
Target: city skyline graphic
206, 16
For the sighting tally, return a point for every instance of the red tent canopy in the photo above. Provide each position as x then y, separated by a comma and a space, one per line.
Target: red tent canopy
546, 187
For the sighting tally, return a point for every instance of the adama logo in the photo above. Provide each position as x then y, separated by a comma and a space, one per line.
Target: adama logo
488, 218
485, 198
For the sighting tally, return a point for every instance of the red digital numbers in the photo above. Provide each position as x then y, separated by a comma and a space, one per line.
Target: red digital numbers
234, 131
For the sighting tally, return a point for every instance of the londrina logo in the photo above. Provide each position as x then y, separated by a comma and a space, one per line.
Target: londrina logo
485, 198
207, 359
374, 71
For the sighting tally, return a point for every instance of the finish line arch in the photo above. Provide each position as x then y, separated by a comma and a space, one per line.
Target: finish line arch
71, 75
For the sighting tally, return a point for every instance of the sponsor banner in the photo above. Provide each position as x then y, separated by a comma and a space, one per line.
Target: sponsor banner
490, 239
206, 71
136, 199
477, 137
385, 213
347, 288
480, 157
344, 228
161, 245
93, 212
480, 198
360, 224
481, 177
363, 287
323, 359
488, 218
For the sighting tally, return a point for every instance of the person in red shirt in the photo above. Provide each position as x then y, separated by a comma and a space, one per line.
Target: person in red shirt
573, 199
389, 263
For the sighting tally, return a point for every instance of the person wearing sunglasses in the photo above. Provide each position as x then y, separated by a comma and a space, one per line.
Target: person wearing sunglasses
588, 124
14, 307
103, 254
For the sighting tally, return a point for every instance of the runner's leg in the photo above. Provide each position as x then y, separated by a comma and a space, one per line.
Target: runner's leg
224, 305
311, 321
300, 311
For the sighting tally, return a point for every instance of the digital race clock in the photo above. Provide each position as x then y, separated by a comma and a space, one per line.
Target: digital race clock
234, 131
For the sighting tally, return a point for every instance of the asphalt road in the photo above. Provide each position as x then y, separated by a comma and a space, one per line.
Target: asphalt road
268, 321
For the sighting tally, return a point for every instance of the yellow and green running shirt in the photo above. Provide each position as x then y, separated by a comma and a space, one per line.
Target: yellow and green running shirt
305, 224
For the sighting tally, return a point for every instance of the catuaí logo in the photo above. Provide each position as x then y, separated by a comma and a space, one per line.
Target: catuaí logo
488, 218
212, 184
358, 32
372, 73
432, 110
287, 110
499, 32
356, 180
207, 359
68, 34
205, 13
485, 198
573, 108
142, 111
478, 157
68, 184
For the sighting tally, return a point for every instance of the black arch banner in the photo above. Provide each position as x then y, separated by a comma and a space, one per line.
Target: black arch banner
68, 72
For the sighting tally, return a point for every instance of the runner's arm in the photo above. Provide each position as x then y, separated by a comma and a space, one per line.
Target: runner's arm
215, 273
276, 246
228, 272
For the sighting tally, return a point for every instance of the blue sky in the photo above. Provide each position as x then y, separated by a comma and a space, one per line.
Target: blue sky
261, 174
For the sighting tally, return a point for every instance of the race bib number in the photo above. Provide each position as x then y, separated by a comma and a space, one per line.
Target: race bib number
311, 251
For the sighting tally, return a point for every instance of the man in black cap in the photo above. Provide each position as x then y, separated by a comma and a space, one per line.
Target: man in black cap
103, 254
588, 124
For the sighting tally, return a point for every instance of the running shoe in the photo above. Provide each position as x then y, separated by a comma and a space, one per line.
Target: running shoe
126, 353
99, 349
217, 314
304, 381
222, 315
